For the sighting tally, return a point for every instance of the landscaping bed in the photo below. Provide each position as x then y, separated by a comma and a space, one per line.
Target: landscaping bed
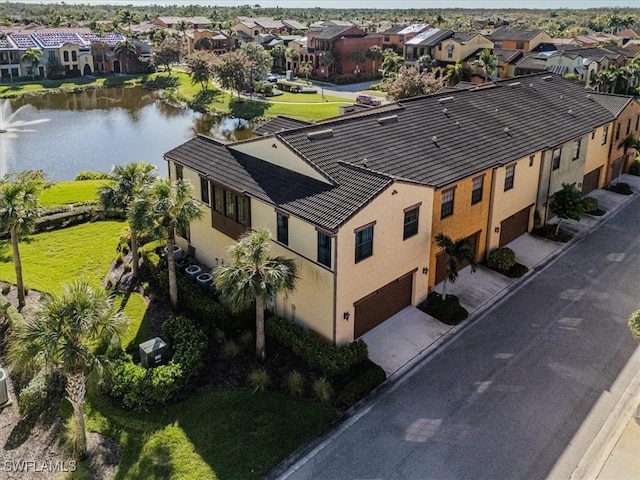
448, 311
549, 232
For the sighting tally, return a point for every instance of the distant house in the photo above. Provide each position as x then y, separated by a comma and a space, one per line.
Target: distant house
462, 46
425, 43
251, 27
396, 36
173, 22
510, 38
215, 41
343, 42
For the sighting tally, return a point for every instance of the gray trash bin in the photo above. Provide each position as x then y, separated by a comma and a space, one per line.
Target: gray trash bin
192, 271
177, 252
154, 352
4, 388
204, 281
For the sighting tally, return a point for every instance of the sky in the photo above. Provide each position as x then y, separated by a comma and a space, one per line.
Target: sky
423, 4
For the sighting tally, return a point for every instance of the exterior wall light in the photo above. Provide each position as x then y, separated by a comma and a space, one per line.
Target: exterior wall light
346, 316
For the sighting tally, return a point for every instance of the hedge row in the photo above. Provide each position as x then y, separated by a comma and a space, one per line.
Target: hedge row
10, 313
139, 388
361, 385
330, 360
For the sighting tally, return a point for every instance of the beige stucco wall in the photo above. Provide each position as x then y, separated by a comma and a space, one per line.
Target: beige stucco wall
523, 194
272, 150
598, 152
542, 37
461, 50
392, 256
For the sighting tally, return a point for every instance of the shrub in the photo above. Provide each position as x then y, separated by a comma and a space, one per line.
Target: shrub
126, 267
634, 324
361, 385
448, 311
11, 314
230, 349
6, 288
322, 389
634, 169
589, 204
328, 359
621, 188
295, 383
501, 259
44, 389
119, 259
189, 343
89, 175
247, 338
259, 380
68, 218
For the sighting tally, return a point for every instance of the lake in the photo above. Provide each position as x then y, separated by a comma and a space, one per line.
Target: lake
66, 133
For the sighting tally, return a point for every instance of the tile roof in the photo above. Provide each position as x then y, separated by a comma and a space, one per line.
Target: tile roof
396, 29
441, 139
320, 203
278, 124
510, 33
330, 33
430, 37
612, 102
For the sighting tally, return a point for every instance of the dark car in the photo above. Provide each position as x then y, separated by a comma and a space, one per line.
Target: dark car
368, 100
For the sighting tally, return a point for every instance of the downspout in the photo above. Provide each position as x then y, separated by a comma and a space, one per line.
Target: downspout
335, 289
546, 203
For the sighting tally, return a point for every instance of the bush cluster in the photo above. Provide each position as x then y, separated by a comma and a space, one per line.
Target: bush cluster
355, 78
140, 389
634, 169
89, 175
501, 259
10, 314
589, 204
44, 389
328, 359
621, 188
372, 376
76, 216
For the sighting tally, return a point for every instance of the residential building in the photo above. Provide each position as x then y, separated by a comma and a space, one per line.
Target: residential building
174, 22
425, 43
215, 41
462, 46
396, 36
510, 38
357, 201
343, 42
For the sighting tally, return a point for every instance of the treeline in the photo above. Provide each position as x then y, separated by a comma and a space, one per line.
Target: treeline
558, 22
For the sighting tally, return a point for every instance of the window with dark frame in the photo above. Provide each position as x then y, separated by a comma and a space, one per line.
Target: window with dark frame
476, 192
638, 123
230, 204
531, 159
509, 176
410, 223
618, 128
283, 228
446, 208
556, 158
364, 243
628, 126
204, 190
218, 199
605, 133
179, 172
576, 149
324, 249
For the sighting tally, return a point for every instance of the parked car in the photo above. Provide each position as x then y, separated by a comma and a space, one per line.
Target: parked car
272, 78
368, 100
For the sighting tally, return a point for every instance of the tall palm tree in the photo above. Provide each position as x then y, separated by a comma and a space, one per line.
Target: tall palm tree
291, 55
627, 143
128, 182
455, 72
358, 57
254, 276
63, 333
127, 50
306, 69
19, 209
391, 65
32, 55
487, 62
278, 53
375, 54
166, 208
458, 252
328, 61
126, 17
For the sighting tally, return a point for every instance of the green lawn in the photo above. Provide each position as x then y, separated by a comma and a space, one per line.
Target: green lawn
17, 89
54, 258
62, 193
226, 435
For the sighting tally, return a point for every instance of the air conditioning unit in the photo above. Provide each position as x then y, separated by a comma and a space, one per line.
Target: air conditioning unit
154, 352
4, 389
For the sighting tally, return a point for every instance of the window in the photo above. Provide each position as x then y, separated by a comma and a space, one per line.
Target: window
628, 126
52, 56
410, 222
637, 122
531, 159
618, 128
556, 158
65, 55
179, 172
243, 211
593, 135
401, 38
576, 149
605, 133
74, 56
447, 203
519, 45
324, 249
204, 190
476, 193
450, 51
387, 39
230, 204
509, 176
218, 199
283, 228
497, 44
364, 243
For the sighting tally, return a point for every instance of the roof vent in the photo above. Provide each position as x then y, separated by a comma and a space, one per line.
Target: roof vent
434, 139
589, 96
387, 120
546, 78
364, 162
445, 110
570, 112
506, 130
320, 134
446, 100
457, 124
514, 84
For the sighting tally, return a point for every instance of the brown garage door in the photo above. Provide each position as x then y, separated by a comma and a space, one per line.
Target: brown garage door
590, 181
376, 307
514, 226
442, 260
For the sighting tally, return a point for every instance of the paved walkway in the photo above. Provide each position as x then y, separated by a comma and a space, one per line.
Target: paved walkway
400, 342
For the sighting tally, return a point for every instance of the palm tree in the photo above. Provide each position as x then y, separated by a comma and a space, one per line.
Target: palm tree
19, 208
32, 55
458, 253
166, 208
254, 276
358, 57
291, 55
328, 61
62, 334
126, 17
627, 143
182, 26
278, 53
375, 54
455, 72
128, 182
487, 62
391, 65
125, 49
306, 69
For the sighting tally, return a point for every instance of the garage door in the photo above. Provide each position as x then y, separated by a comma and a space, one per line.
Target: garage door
514, 226
590, 181
442, 260
376, 307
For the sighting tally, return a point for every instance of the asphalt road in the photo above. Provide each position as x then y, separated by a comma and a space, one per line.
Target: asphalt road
519, 394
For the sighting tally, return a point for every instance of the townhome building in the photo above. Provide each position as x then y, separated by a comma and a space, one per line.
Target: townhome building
511, 38
357, 200
342, 42
174, 22
461, 46
396, 36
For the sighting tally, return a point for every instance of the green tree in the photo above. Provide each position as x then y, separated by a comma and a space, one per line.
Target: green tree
259, 61
278, 54
254, 276
291, 55
63, 333
375, 54
128, 182
456, 72
567, 203
634, 324
126, 17
167, 52
487, 62
629, 142
391, 64
306, 69
458, 253
200, 68
32, 55
328, 61
409, 82
182, 26
166, 208
358, 58
425, 62
127, 50
19, 209
231, 70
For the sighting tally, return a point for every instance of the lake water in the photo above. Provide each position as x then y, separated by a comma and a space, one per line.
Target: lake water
95, 129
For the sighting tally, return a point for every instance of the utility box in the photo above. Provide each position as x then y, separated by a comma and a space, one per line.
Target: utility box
4, 389
289, 76
154, 352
